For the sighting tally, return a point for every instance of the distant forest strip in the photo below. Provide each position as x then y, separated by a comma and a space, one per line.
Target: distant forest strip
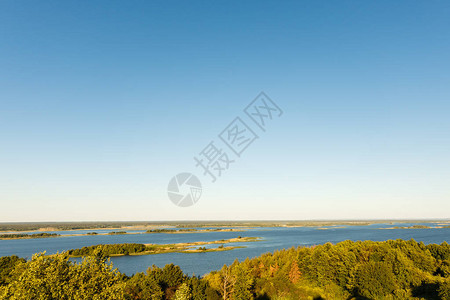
54, 226
68, 225
368, 270
294, 223
191, 230
27, 236
106, 250
11, 236
417, 227
14, 236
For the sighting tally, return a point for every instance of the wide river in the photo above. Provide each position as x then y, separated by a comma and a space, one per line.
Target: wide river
201, 263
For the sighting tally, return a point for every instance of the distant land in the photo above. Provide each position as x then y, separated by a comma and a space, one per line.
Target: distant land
150, 225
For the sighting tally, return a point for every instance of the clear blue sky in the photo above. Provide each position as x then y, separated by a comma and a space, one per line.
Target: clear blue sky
102, 102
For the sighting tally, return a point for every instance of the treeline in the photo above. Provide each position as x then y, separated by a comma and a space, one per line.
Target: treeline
348, 270
161, 230
24, 235
106, 250
68, 225
31, 226
186, 230
275, 223
413, 227
164, 230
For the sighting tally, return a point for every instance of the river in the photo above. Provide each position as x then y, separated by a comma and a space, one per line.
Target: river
201, 263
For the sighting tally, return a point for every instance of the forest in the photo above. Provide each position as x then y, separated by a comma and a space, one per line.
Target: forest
27, 236
109, 250
394, 269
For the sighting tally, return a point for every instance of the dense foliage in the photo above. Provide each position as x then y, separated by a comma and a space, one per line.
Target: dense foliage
7, 265
108, 250
56, 277
348, 270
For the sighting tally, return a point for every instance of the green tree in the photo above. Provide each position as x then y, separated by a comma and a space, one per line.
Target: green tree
55, 277
243, 282
375, 280
172, 275
141, 286
444, 289
183, 292
7, 265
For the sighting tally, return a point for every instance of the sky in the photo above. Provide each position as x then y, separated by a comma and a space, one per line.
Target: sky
103, 102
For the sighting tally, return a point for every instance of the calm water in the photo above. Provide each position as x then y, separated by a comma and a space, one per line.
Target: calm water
202, 263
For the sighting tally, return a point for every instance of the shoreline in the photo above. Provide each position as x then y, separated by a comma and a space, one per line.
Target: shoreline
36, 227
181, 231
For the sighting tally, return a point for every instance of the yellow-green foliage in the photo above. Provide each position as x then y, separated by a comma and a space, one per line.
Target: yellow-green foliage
7, 266
367, 270
55, 277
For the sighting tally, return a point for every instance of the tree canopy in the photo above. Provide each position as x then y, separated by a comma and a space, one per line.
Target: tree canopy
348, 270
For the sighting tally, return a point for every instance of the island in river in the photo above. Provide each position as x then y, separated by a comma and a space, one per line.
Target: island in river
146, 249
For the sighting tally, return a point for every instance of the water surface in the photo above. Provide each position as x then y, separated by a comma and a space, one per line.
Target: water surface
201, 263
